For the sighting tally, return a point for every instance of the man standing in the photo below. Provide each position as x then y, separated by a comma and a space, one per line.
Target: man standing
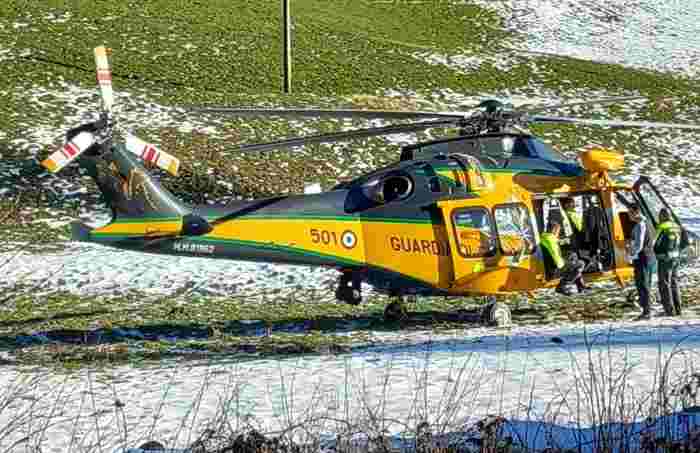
667, 250
641, 256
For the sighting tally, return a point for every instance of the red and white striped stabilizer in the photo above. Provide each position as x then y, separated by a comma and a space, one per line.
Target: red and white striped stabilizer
70, 151
104, 77
149, 153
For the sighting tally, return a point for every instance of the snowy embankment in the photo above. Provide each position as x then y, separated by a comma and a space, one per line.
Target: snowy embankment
649, 34
563, 376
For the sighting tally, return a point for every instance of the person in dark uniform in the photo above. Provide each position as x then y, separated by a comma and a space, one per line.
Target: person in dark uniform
667, 251
641, 256
569, 270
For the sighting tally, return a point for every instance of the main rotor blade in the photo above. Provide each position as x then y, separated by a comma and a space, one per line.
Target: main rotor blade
612, 123
327, 113
529, 108
347, 135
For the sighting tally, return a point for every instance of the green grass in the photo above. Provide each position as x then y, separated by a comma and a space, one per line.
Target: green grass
137, 328
340, 49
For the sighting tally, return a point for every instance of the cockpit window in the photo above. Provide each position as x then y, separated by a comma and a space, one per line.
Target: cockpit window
474, 232
537, 148
493, 147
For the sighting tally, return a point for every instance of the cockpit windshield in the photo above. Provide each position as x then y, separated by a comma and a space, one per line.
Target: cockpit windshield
496, 149
540, 149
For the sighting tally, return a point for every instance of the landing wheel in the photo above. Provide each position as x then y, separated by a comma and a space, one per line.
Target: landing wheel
348, 295
349, 290
395, 311
496, 314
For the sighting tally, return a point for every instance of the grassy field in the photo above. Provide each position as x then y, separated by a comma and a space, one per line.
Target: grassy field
229, 52
178, 53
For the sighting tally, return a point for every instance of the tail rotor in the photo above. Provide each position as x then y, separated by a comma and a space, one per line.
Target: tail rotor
101, 132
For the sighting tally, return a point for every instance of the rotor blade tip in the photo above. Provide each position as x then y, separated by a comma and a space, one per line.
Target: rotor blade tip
50, 165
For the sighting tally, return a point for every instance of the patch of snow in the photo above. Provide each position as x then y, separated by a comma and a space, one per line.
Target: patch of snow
58, 17
89, 269
131, 111
465, 64
522, 374
462, 63
652, 34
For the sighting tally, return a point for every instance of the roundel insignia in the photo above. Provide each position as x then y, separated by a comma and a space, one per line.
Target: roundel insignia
348, 239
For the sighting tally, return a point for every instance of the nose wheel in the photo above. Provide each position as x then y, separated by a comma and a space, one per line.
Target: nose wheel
495, 313
396, 310
492, 313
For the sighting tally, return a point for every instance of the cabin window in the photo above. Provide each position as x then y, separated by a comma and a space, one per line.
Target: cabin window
474, 232
515, 230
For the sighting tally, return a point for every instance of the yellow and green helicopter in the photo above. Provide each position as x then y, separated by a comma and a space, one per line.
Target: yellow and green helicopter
455, 216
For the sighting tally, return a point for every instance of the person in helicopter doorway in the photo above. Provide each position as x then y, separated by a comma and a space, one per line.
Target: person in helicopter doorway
641, 256
569, 270
667, 251
578, 237
575, 220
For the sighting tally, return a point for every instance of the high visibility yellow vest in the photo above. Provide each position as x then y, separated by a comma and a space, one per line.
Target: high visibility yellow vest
665, 227
575, 220
673, 232
550, 243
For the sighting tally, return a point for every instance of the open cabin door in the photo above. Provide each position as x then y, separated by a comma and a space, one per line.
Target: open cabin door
651, 202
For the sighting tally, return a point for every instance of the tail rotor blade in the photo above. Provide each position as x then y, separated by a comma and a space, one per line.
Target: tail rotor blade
69, 152
149, 153
104, 78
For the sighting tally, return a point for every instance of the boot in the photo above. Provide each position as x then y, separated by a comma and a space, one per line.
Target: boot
668, 308
677, 309
646, 314
561, 289
581, 287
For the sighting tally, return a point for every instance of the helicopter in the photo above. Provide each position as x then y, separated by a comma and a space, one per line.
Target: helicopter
454, 216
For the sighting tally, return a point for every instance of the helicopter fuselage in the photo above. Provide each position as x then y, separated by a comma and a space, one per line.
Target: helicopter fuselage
437, 223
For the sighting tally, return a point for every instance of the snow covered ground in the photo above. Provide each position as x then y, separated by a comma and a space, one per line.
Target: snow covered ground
651, 34
89, 269
454, 379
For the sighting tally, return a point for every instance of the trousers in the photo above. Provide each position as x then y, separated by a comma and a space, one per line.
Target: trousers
668, 287
572, 272
642, 280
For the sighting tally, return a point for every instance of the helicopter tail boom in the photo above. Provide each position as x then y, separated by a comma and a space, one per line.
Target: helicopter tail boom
141, 207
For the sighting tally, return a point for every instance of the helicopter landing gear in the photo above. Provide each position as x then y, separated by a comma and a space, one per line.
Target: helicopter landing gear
396, 310
495, 313
349, 288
